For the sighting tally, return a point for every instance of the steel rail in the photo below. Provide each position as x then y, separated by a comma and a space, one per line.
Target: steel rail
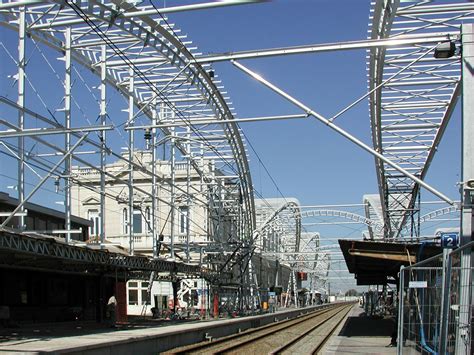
344, 311
254, 333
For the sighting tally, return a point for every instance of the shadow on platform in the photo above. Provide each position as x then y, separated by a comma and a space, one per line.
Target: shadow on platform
26, 333
363, 326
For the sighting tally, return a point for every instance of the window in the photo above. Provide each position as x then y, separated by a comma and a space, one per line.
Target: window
133, 297
93, 216
137, 221
145, 296
138, 293
183, 220
133, 293
125, 221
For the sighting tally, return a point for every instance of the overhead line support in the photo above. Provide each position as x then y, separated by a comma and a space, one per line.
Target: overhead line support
341, 131
325, 47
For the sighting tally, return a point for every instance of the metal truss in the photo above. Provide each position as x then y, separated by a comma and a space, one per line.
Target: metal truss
283, 223
412, 96
136, 51
373, 211
49, 248
373, 224
438, 213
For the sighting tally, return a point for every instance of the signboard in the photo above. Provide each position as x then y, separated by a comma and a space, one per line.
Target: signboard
449, 240
418, 284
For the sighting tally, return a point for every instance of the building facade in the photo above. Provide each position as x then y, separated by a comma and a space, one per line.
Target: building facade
191, 216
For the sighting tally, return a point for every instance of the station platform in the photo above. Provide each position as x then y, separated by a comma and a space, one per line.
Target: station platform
144, 338
359, 334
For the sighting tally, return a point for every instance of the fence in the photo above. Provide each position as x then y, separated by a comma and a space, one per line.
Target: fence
431, 318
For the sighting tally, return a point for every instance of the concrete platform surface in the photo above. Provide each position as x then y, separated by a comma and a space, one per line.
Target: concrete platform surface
91, 339
361, 335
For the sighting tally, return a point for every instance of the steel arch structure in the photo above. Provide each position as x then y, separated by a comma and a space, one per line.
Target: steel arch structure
412, 96
284, 221
438, 213
373, 224
141, 55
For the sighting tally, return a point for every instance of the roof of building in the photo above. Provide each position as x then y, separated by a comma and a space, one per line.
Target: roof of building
8, 200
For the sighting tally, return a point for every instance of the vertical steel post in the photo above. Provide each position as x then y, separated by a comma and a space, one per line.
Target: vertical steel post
103, 117
67, 142
295, 289
131, 137
445, 295
401, 304
250, 283
154, 190
21, 113
188, 191
462, 338
172, 191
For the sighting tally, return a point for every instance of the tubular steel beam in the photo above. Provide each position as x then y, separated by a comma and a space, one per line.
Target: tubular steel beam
342, 132
130, 14
216, 121
326, 47
50, 131
43, 180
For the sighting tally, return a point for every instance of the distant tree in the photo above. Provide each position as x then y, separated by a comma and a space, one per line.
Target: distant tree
352, 292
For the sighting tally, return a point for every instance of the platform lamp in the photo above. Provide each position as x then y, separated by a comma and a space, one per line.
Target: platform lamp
445, 50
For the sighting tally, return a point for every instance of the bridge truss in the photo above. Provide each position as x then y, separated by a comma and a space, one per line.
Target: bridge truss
413, 95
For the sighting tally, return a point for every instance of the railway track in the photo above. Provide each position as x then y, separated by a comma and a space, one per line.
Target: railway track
303, 335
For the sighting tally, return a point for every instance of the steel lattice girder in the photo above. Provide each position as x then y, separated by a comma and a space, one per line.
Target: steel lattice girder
410, 112
49, 247
145, 44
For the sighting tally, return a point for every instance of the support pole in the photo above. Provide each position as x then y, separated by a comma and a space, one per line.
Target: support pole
188, 190
21, 113
401, 305
131, 136
102, 137
445, 296
67, 142
173, 192
463, 346
154, 190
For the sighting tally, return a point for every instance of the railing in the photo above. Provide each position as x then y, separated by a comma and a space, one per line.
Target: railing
429, 311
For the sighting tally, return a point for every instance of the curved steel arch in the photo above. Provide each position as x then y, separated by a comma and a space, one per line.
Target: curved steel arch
343, 214
412, 96
274, 218
146, 41
438, 213
373, 211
